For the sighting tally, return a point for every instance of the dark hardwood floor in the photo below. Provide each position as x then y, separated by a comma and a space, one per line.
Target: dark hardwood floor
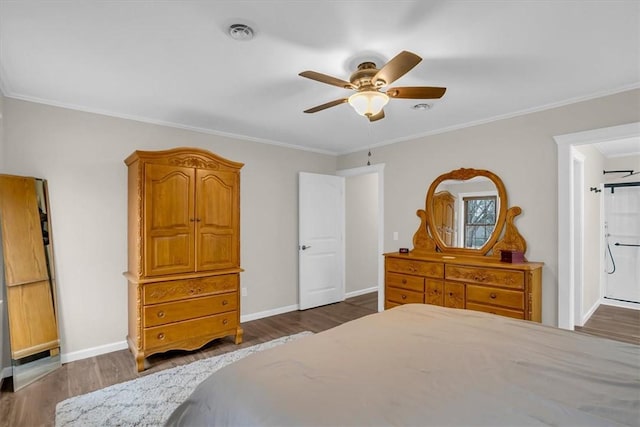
622, 324
35, 404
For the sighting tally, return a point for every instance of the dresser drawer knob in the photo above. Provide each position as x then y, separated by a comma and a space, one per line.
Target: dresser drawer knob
404, 281
404, 297
161, 314
450, 294
225, 302
493, 295
225, 321
161, 336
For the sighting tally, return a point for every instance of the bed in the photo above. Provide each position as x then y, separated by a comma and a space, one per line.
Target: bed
422, 365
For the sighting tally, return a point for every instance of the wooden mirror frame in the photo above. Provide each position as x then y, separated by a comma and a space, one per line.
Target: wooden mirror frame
463, 175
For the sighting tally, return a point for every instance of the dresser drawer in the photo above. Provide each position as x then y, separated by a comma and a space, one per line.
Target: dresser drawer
166, 335
174, 290
402, 296
488, 276
419, 268
405, 281
434, 292
160, 314
495, 310
454, 295
495, 296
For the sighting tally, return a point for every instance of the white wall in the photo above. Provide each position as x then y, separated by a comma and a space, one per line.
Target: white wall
520, 150
5, 353
1, 132
592, 272
81, 155
361, 257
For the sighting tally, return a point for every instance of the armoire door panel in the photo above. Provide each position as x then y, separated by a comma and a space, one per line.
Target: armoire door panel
216, 252
24, 258
169, 212
217, 209
171, 254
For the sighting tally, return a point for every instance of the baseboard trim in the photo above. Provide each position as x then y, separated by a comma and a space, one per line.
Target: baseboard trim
361, 292
623, 304
93, 351
7, 372
589, 313
268, 313
121, 345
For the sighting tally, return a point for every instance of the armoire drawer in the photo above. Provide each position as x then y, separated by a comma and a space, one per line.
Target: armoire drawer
405, 281
495, 296
165, 335
403, 296
486, 276
180, 289
160, 314
419, 268
495, 310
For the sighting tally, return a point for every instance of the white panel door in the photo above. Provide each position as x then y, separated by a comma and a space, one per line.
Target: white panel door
321, 246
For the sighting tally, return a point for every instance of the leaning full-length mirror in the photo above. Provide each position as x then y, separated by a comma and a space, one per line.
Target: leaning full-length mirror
29, 278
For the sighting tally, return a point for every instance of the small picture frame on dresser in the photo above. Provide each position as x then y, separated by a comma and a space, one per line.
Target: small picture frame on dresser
404, 250
512, 257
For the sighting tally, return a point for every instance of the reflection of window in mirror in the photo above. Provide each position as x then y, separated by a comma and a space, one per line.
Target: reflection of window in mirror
479, 219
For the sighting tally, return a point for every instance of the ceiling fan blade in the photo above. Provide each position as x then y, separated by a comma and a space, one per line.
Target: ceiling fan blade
323, 78
397, 67
416, 92
327, 105
376, 117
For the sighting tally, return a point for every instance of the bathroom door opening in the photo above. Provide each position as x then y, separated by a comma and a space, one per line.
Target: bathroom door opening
622, 242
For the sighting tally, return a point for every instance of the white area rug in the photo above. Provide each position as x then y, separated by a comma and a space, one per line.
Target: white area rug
149, 400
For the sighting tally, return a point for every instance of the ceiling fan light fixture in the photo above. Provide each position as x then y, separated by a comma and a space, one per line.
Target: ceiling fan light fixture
369, 102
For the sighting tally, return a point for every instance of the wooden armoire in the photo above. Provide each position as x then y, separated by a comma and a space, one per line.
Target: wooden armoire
184, 250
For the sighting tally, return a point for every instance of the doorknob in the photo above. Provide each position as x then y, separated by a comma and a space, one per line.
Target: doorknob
303, 247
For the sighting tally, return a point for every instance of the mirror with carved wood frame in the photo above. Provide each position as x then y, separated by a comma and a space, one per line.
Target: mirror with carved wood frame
431, 238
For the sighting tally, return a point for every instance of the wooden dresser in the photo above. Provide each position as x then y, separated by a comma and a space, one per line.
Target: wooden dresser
459, 204
475, 283
184, 250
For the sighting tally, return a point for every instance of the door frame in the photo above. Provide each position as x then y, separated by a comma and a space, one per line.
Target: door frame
566, 202
379, 170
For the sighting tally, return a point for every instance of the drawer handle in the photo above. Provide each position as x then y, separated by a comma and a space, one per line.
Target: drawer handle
404, 297
161, 336
225, 321
225, 302
404, 281
450, 294
479, 278
161, 314
493, 295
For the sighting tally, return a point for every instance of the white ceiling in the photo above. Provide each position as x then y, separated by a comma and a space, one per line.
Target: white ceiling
172, 62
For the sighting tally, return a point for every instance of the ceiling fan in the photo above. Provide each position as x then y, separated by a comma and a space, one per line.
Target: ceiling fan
367, 81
